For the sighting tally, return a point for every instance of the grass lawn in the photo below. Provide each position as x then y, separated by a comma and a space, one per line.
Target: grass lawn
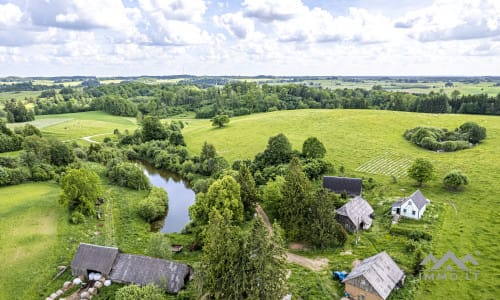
354, 138
29, 215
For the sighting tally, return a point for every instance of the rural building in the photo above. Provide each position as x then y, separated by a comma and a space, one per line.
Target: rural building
351, 186
130, 269
143, 270
412, 206
93, 258
355, 214
374, 278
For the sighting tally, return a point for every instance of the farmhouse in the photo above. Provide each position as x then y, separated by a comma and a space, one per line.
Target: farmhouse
128, 268
355, 214
374, 278
411, 207
339, 185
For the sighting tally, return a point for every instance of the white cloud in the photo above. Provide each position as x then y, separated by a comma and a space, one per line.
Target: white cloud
236, 24
10, 14
453, 20
271, 10
181, 10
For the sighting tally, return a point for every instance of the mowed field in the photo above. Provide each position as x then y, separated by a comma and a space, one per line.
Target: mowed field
29, 215
356, 138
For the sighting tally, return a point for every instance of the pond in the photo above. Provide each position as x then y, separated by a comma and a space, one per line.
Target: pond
180, 197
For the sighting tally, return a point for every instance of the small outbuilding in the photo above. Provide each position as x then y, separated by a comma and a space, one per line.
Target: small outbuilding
411, 207
142, 270
374, 278
351, 186
355, 214
93, 258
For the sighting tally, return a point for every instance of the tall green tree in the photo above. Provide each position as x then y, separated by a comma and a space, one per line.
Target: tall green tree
153, 129
421, 170
224, 196
278, 151
296, 198
313, 148
80, 189
324, 231
60, 153
248, 191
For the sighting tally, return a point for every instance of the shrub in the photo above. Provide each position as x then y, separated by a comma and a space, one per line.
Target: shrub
409, 233
455, 180
154, 206
77, 218
159, 246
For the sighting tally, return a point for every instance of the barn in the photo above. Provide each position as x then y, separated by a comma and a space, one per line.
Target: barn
93, 258
130, 269
374, 278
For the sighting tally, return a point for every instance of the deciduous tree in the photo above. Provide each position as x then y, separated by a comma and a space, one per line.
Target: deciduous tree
313, 148
421, 170
455, 180
80, 189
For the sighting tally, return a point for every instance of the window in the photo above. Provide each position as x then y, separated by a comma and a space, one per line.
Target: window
404, 210
413, 212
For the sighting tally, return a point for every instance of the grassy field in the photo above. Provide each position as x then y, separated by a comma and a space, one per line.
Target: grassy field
354, 138
78, 125
29, 215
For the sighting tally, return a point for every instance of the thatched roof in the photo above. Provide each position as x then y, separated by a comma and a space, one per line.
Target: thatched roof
143, 270
93, 257
358, 210
380, 271
417, 197
352, 186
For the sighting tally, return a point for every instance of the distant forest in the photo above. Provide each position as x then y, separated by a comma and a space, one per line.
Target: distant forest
235, 98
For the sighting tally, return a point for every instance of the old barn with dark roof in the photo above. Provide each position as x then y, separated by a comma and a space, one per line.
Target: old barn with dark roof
374, 278
93, 258
130, 269
143, 270
339, 185
355, 214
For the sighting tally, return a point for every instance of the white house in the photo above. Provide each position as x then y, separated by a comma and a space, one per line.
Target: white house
411, 207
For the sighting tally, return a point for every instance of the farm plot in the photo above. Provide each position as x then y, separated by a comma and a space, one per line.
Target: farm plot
389, 163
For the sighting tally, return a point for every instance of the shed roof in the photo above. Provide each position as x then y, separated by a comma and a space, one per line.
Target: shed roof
357, 210
338, 185
94, 257
143, 270
380, 271
417, 197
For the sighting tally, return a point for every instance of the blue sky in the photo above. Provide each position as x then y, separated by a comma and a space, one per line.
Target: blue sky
249, 37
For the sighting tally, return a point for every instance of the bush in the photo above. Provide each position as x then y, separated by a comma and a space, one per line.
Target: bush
154, 206
127, 174
42, 172
77, 218
411, 234
135, 292
455, 180
159, 246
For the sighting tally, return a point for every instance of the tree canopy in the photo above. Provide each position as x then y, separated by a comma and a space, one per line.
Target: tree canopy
455, 179
220, 120
421, 170
313, 148
80, 190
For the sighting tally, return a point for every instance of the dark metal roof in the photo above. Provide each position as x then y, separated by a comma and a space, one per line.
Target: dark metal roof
143, 270
94, 257
357, 210
417, 197
380, 271
352, 186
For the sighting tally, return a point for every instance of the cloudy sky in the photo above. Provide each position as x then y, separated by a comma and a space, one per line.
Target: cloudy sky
249, 37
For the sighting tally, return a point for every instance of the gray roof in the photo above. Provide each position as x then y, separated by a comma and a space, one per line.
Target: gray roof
143, 270
417, 197
94, 257
338, 185
357, 210
380, 271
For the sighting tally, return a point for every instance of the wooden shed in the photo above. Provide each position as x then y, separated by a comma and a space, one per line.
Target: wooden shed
355, 214
374, 278
93, 258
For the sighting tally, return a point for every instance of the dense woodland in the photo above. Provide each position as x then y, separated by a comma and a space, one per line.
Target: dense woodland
241, 98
